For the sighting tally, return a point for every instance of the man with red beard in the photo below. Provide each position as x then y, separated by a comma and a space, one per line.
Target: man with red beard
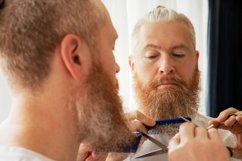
164, 63
58, 58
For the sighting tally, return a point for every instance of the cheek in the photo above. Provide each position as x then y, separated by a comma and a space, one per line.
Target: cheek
186, 71
109, 64
146, 73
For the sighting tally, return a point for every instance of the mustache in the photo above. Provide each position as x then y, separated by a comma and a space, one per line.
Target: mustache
168, 79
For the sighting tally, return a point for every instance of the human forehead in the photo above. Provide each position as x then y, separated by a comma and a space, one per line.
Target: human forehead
166, 34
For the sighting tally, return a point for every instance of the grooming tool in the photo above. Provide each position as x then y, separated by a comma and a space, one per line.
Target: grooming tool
236, 113
230, 149
160, 128
163, 148
157, 128
222, 126
133, 147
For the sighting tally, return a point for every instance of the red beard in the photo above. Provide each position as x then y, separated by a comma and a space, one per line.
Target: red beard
100, 113
180, 100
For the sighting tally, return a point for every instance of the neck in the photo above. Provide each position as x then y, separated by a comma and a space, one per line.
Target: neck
43, 125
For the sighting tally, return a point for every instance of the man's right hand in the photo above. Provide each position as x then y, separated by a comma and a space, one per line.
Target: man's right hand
231, 121
231, 118
197, 144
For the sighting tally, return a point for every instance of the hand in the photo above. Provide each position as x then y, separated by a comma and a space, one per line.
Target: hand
87, 153
117, 156
137, 120
231, 122
197, 144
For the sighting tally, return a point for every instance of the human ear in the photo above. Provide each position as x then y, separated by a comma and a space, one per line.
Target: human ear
71, 54
131, 63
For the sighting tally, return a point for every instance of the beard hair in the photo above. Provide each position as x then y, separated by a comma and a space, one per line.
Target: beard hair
100, 113
181, 100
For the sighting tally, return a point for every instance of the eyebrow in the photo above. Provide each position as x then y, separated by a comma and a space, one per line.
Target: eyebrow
152, 46
182, 46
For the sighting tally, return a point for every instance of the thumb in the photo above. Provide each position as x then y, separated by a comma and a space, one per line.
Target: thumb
174, 142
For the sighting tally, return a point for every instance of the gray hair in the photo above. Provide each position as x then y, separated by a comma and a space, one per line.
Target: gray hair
163, 14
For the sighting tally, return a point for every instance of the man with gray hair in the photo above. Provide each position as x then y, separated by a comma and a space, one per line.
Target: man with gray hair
164, 64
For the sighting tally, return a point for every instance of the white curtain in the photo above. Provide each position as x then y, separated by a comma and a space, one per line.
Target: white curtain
125, 13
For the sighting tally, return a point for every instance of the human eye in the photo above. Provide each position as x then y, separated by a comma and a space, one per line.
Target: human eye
151, 55
178, 54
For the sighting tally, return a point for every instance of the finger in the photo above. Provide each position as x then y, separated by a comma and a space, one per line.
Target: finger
230, 121
144, 119
91, 158
213, 123
84, 152
225, 114
141, 117
174, 142
99, 156
186, 131
131, 115
214, 135
136, 125
201, 133
239, 119
83, 157
117, 156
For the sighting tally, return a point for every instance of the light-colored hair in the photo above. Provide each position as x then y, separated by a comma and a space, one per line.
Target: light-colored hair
163, 14
30, 30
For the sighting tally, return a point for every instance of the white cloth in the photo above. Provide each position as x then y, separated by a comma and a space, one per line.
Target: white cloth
8, 153
201, 120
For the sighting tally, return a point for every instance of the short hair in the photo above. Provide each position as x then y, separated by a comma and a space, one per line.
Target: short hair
163, 14
30, 30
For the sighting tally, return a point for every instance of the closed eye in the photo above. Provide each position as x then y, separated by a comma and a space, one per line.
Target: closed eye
151, 56
178, 55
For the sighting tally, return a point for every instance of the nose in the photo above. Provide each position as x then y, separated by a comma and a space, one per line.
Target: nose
166, 66
117, 68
